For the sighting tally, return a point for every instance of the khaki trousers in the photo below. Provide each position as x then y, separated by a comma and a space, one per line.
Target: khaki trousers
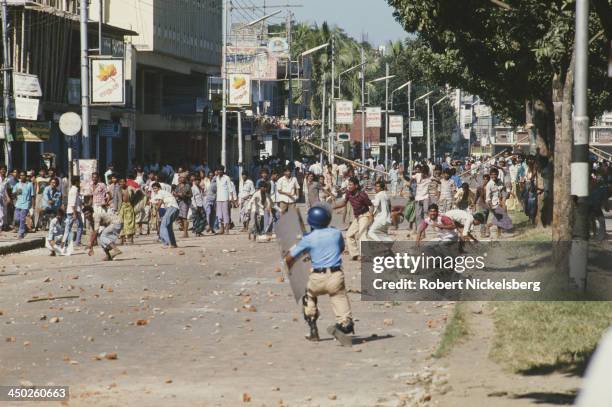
355, 232
332, 284
284, 206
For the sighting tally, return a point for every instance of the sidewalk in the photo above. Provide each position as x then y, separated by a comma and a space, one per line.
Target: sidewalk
10, 244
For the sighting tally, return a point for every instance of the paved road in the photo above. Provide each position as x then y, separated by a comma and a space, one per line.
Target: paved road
217, 324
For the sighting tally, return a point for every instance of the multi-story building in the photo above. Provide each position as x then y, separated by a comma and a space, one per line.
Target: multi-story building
44, 50
175, 54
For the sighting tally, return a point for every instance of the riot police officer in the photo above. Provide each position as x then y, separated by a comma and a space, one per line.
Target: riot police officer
325, 246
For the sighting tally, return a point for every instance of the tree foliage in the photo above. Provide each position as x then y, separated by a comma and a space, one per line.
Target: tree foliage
504, 56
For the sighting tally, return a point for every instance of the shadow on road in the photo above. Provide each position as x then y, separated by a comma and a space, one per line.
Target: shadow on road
360, 340
548, 397
575, 366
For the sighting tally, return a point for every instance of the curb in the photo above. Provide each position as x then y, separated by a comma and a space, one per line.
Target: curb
17, 247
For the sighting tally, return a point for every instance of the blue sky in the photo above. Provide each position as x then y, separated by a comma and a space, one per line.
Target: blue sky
373, 17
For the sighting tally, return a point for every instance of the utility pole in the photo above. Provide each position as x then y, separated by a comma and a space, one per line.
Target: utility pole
290, 101
332, 105
240, 151
84, 80
580, 150
428, 129
323, 117
409, 131
433, 130
387, 116
363, 108
6, 92
224, 79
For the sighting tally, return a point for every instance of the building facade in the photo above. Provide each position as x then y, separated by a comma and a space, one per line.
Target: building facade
175, 54
44, 50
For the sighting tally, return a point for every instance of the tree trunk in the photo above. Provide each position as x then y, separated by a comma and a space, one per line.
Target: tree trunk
543, 120
562, 202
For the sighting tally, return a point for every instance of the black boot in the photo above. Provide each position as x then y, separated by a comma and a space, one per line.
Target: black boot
314, 332
341, 332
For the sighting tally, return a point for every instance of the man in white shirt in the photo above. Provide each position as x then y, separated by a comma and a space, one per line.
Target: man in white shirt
316, 169
464, 222
288, 191
225, 194
379, 230
394, 179
73, 212
423, 179
165, 198
271, 217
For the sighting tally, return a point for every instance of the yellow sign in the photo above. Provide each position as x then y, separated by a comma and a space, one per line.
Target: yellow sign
32, 131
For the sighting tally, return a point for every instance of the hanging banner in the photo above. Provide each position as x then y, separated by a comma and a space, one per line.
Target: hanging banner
36, 132
396, 124
391, 141
26, 85
344, 112
373, 117
26, 109
239, 90
84, 169
279, 47
107, 86
416, 129
258, 62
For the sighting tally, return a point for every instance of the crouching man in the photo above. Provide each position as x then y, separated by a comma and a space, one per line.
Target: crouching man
105, 228
56, 232
325, 246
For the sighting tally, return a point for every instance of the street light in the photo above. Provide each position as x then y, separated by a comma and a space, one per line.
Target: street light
409, 83
352, 68
427, 101
302, 55
315, 49
433, 121
260, 19
224, 77
386, 79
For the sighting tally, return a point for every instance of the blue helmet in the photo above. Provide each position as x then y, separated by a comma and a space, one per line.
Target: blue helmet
319, 217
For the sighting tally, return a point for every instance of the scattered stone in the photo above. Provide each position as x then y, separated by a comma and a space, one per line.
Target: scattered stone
27, 343
388, 322
11, 339
142, 322
246, 398
47, 280
111, 356
54, 320
332, 396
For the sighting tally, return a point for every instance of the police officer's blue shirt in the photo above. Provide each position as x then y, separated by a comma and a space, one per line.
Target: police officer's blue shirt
324, 245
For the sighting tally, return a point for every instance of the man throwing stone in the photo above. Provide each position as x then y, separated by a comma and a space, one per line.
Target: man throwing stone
105, 228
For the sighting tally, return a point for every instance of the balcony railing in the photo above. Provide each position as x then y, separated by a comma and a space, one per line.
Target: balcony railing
601, 135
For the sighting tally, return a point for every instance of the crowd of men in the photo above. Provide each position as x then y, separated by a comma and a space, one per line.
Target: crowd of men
153, 198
